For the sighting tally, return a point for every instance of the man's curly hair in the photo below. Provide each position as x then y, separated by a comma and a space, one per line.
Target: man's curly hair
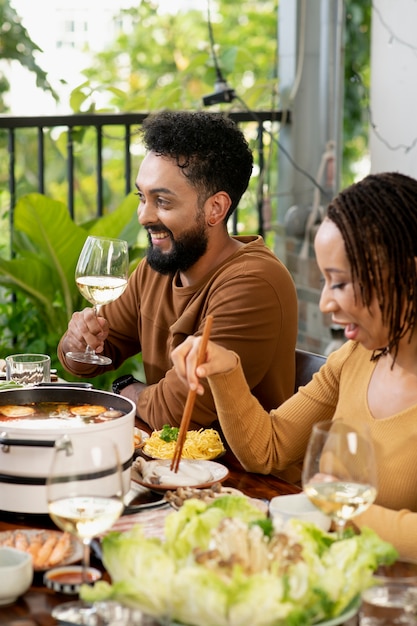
209, 148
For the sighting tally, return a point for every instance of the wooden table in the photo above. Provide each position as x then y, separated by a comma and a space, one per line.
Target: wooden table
34, 607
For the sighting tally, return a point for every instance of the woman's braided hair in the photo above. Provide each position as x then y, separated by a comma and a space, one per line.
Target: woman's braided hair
378, 220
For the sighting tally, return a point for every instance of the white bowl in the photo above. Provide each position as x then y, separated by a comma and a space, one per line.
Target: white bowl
16, 574
297, 505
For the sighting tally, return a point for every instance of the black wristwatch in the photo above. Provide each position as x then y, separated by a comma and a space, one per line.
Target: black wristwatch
122, 382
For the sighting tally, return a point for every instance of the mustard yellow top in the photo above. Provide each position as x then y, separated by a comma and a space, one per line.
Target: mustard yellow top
269, 442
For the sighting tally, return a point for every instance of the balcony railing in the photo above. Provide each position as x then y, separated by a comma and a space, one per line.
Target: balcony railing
11, 126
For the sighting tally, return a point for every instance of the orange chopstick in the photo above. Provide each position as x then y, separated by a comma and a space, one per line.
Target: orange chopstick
191, 396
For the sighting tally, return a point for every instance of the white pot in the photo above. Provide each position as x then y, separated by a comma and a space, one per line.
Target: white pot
26, 454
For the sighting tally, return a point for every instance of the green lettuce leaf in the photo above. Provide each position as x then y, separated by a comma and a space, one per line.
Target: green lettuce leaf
169, 578
192, 525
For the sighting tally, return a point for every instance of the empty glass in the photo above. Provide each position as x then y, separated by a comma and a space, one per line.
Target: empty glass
28, 369
389, 604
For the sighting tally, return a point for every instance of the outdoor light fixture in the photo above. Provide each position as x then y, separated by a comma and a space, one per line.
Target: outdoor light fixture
222, 91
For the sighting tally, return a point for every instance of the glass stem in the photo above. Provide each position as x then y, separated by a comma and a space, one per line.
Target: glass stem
85, 561
340, 527
89, 350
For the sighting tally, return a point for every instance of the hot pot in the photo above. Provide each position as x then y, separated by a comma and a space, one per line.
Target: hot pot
26, 453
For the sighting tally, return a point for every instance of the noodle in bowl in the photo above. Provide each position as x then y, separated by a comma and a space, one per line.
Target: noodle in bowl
203, 444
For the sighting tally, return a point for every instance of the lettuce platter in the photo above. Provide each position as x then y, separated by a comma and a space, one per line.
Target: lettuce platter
225, 564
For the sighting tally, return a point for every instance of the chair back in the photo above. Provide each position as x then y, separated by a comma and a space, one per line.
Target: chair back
306, 363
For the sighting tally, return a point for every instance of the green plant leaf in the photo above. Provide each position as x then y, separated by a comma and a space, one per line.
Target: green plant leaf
121, 223
57, 240
47, 244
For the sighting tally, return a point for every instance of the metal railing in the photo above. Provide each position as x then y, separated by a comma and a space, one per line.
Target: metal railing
10, 127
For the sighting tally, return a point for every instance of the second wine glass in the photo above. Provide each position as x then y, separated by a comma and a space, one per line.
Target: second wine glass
101, 276
339, 471
85, 498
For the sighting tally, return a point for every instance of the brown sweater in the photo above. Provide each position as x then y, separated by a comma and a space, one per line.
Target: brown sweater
253, 300
269, 442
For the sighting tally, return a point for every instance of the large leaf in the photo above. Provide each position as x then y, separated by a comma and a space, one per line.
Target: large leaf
46, 244
121, 224
50, 242
55, 237
30, 276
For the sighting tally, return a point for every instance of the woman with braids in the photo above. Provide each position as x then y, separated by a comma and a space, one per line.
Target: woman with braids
366, 249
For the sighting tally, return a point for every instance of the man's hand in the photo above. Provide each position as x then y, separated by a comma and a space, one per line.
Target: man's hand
85, 329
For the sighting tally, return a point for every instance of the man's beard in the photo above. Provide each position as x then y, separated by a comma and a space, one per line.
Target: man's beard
186, 250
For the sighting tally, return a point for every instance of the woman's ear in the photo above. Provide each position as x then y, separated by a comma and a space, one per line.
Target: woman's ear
217, 207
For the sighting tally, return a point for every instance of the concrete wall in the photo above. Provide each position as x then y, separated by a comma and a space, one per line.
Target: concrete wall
311, 87
308, 32
393, 132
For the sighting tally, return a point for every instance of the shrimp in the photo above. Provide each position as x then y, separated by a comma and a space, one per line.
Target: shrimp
60, 550
45, 551
35, 545
21, 541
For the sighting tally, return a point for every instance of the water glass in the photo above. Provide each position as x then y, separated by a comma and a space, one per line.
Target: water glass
389, 604
28, 369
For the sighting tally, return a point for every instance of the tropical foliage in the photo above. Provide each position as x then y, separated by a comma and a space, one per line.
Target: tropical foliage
357, 84
168, 61
46, 247
16, 45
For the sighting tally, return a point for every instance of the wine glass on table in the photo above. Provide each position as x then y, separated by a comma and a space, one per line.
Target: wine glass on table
101, 277
339, 471
85, 497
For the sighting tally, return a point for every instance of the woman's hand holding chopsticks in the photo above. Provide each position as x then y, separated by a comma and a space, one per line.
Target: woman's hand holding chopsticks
189, 405
189, 369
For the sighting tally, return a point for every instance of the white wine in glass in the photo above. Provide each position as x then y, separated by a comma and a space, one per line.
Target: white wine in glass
339, 471
85, 497
101, 276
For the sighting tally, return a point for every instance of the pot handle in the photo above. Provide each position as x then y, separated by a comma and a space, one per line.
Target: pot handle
6, 442
64, 443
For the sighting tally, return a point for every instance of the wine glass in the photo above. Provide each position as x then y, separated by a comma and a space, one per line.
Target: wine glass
339, 471
85, 497
101, 277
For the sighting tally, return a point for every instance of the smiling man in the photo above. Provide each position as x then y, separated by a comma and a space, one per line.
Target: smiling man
197, 167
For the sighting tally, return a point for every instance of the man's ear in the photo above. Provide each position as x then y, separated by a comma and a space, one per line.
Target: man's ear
217, 207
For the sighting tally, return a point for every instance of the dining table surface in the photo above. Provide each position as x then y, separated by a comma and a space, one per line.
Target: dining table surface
34, 608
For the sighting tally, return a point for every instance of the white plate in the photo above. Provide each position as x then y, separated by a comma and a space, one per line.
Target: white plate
218, 473
140, 498
143, 436
75, 552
